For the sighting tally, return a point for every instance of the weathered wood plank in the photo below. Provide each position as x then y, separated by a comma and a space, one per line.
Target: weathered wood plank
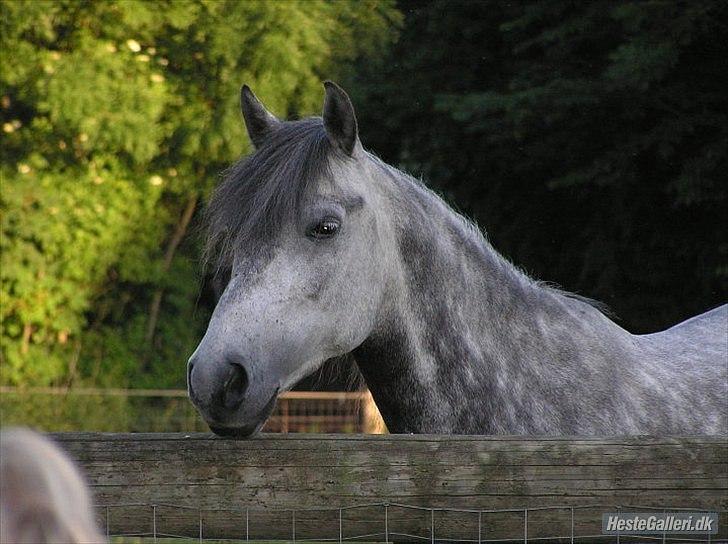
274, 474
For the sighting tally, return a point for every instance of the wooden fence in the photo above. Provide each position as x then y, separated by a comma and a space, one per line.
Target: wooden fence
325, 412
467, 488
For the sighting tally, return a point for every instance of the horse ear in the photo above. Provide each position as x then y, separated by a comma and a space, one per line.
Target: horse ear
339, 118
258, 120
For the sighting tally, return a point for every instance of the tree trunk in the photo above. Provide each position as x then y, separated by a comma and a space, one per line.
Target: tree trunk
172, 246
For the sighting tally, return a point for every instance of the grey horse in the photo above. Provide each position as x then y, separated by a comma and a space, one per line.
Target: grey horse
325, 250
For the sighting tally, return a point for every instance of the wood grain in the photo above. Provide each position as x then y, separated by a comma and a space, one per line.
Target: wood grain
272, 475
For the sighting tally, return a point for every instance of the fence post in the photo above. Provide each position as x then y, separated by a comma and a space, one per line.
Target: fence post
247, 525
340, 527
107, 522
154, 522
293, 524
432, 525
372, 420
525, 525
572, 525
386, 523
480, 524
619, 512
284, 415
200, 513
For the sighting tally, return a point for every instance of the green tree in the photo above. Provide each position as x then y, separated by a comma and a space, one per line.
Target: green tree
117, 118
590, 139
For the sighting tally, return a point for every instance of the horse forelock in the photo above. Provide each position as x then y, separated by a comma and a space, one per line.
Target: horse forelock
259, 193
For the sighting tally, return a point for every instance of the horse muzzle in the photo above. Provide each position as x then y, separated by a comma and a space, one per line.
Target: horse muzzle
228, 401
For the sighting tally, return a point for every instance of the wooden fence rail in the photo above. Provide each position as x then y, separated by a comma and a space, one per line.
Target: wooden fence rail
262, 487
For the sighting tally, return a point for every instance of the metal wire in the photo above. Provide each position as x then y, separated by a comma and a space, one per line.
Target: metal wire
299, 514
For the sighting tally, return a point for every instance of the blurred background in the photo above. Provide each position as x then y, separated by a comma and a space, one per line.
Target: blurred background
588, 139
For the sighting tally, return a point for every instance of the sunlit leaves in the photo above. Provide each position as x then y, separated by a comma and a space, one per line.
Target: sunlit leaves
114, 116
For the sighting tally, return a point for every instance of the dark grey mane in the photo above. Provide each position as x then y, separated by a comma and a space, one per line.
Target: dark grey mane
261, 191
470, 232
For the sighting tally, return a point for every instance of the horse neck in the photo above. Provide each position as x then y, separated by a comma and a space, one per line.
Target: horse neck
465, 340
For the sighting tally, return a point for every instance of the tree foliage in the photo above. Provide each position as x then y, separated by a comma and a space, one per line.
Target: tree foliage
589, 139
117, 117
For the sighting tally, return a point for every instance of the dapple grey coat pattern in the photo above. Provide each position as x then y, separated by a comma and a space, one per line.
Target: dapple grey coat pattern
323, 250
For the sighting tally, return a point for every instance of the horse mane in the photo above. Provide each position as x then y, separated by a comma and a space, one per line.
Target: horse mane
602, 307
261, 191
471, 229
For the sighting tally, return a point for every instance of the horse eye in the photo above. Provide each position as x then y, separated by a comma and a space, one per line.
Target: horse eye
324, 229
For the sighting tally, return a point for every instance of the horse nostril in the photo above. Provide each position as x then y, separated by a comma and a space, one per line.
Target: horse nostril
235, 386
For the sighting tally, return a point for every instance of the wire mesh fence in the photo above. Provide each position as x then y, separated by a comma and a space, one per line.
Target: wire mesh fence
387, 522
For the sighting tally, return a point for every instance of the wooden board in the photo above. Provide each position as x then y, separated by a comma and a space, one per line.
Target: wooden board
270, 477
